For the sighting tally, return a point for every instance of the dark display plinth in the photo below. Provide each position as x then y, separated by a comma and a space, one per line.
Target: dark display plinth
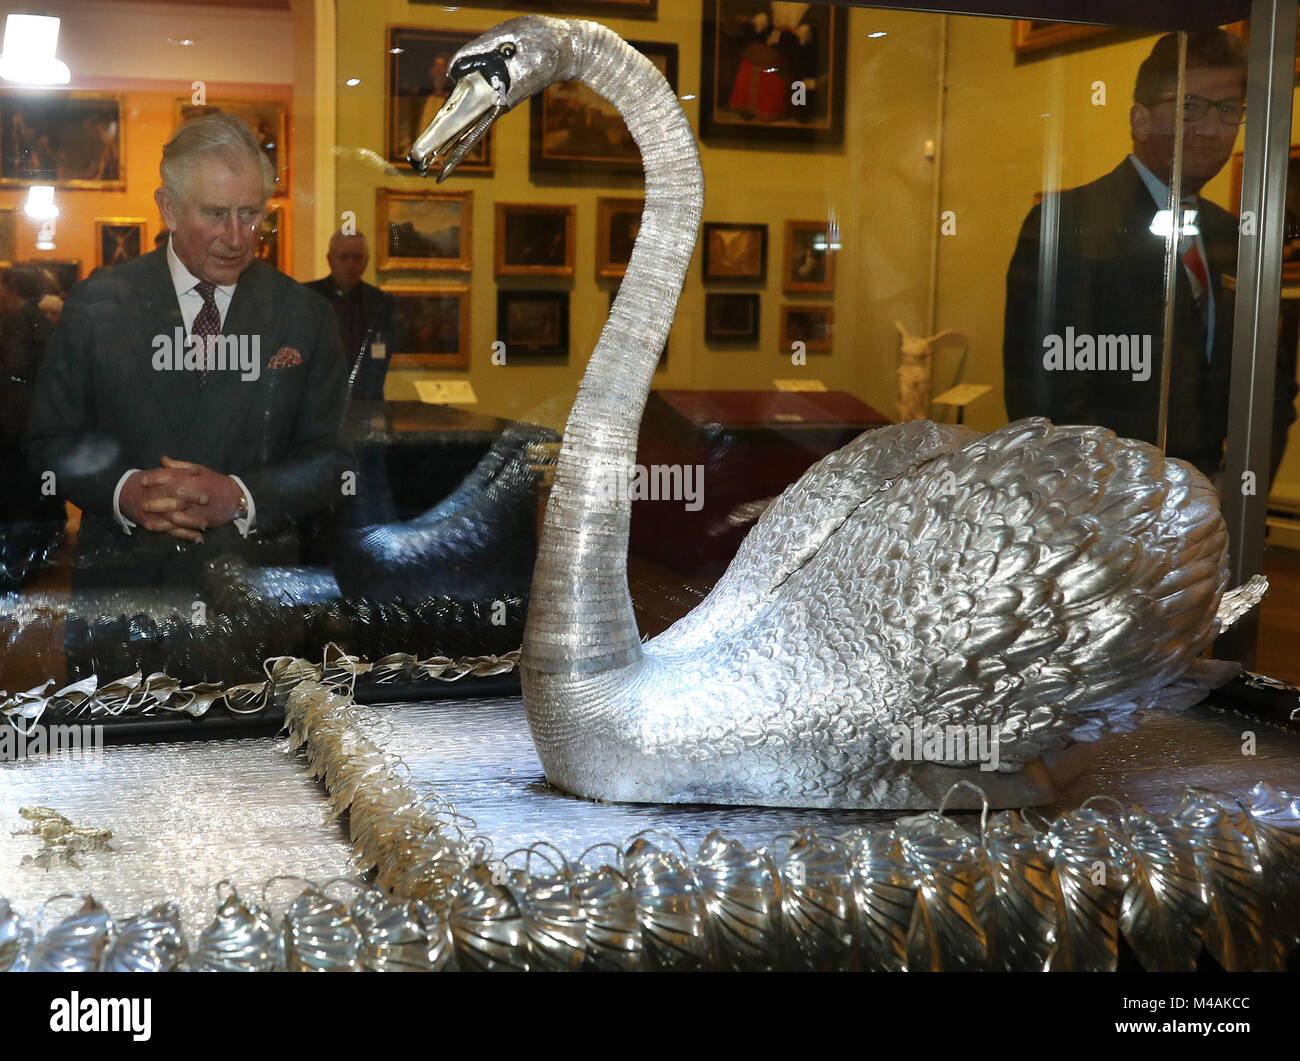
751, 445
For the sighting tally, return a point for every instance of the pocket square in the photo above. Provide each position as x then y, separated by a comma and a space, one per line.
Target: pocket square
285, 357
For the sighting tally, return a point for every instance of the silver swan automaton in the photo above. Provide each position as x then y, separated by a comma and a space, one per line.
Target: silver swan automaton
728, 793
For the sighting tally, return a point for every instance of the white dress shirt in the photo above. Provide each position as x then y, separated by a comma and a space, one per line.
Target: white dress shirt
1160, 193
187, 294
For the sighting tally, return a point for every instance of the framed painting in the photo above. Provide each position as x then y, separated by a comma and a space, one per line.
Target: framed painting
68, 139
730, 318
809, 262
814, 326
735, 252
773, 71
430, 325
1031, 35
534, 239
418, 59
118, 240
269, 120
618, 222
573, 130
534, 322
424, 230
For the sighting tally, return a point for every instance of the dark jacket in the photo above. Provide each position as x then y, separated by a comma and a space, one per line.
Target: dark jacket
102, 407
1100, 271
378, 324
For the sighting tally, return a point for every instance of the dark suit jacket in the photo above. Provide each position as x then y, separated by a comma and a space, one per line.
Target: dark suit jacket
1108, 279
378, 319
102, 408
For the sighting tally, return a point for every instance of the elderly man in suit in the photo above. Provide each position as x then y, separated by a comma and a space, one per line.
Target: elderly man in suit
365, 314
191, 400
1088, 274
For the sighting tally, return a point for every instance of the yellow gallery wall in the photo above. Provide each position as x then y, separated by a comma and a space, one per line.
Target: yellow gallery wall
878, 184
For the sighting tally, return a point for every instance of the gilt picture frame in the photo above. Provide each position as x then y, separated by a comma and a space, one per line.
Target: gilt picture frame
417, 61
67, 139
431, 325
118, 240
534, 239
808, 262
574, 130
618, 222
773, 72
268, 118
424, 230
807, 323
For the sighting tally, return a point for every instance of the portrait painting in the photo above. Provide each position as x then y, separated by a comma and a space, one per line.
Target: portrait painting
534, 322
534, 239
735, 252
809, 263
730, 318
418, 61
431, 326
813, 326
269, 120
118, 240
572, 129
423, 230
68, 139
773, 71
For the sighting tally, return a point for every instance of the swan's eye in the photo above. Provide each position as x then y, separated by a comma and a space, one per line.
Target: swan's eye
506, 50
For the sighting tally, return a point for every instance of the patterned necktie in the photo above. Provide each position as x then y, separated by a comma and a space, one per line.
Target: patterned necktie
206, 325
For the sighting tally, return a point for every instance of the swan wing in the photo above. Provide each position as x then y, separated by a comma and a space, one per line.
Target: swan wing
799, 522
1033, 579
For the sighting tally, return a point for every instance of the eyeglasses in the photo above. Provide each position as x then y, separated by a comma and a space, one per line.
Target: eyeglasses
1230, 111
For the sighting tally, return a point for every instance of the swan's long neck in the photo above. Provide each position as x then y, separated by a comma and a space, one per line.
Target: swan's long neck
580, 618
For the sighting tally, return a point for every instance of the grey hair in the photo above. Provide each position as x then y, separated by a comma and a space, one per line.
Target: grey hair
217, 135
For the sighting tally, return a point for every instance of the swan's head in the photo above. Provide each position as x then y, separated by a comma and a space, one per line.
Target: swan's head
490, 75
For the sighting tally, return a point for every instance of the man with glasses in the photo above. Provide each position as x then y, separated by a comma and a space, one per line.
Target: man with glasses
1086, 284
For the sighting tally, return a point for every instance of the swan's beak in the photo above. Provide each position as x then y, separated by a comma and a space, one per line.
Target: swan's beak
468, 113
